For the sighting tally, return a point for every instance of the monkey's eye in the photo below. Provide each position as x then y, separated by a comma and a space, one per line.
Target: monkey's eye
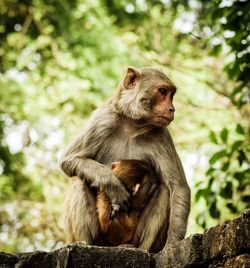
163, 90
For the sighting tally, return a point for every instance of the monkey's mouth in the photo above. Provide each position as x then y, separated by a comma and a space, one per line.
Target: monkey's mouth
166, 118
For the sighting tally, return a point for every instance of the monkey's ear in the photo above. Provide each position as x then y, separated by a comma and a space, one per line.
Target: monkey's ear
131, 78
115, 164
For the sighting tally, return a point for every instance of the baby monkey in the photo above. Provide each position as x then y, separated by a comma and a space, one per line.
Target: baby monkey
118, 227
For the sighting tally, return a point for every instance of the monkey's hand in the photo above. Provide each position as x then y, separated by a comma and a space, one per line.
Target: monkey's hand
118, 195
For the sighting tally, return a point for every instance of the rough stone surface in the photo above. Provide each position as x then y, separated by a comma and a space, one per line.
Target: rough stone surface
88, 256
241, 261
7, 260
226, 246
227, 239
79, 255
212, 249
183, 254
35, 259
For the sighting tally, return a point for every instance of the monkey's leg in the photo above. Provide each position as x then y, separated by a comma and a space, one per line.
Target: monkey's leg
153, 219
80, 216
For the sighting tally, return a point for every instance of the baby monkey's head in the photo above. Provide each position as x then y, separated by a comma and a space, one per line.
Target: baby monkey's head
131, 173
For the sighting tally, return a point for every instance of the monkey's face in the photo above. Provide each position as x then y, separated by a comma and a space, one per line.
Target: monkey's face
162, 108
147, 94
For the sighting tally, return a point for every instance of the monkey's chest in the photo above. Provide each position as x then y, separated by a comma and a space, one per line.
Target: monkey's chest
117, 148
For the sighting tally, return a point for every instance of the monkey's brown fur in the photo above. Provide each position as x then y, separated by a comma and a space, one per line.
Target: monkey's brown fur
120, 229
130, 126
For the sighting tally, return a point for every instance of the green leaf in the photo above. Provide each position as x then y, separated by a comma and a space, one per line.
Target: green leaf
225, 166
198, 183
211, 180
213, 210
212, 137
239, 129
236, 145
232, 208
216, 50
224, 135
241, 157
239, 176
217, 156
227, 191
241, 187
210, 171
201, 219
246, 199
199, 194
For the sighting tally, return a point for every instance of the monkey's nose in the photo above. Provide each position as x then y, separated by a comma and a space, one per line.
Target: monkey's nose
171, 109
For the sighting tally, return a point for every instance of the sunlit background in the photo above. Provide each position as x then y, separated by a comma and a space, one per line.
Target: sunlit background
59, 60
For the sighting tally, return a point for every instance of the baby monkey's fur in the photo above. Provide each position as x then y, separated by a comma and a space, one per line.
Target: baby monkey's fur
119, 228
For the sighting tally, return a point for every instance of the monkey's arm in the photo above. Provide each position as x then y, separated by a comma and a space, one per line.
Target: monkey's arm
179, 214
175, 179
180, 207
79, 158
97, 175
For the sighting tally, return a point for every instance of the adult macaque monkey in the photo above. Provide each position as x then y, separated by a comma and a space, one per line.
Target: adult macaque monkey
130, 126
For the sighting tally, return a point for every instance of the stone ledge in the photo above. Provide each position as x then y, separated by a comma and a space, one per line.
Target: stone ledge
211, 249
78, 255
225, 245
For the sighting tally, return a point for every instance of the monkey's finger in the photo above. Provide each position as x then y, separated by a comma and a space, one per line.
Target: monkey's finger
112, 215
115, 209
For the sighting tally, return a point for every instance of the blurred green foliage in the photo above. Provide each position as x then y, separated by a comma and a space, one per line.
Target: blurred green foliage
229, 171
59, 60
